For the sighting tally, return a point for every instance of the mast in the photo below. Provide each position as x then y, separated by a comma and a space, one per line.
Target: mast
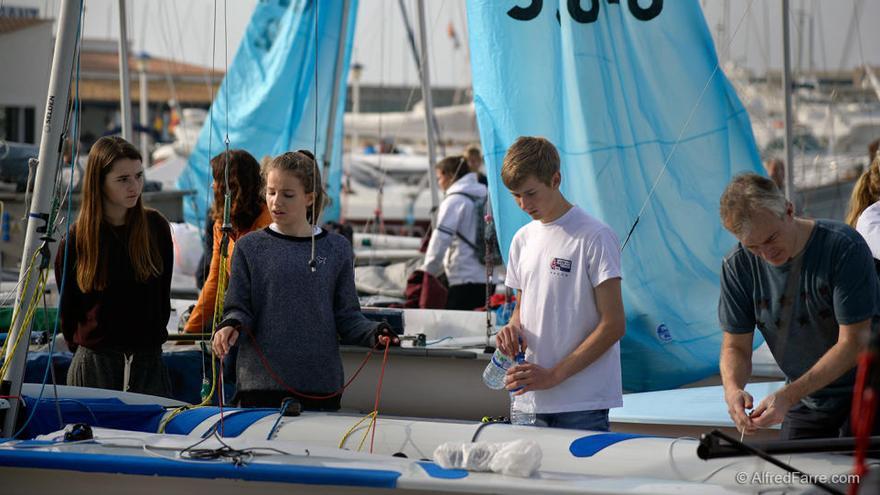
144, 108
786, 84
124, 83
418, 61
334, 94
50, 145
429, 109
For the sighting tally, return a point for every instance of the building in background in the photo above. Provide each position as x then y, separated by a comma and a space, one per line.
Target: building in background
25, 59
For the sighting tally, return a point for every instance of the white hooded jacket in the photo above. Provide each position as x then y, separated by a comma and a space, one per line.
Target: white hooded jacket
446, 251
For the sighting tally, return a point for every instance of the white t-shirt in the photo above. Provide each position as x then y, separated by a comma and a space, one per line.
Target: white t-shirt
868, 225
557, 265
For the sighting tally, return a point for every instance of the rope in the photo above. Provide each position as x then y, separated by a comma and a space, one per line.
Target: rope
313, 221
278, 380
226, 228
864, 408
372, 415
378, 395
348, 433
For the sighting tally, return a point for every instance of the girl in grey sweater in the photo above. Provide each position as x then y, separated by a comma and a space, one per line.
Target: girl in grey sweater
291, 291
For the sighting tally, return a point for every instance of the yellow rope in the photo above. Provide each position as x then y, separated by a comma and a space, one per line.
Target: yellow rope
372, 417
31, 309
222, 282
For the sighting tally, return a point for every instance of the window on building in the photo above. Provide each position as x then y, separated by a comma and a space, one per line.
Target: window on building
17, 124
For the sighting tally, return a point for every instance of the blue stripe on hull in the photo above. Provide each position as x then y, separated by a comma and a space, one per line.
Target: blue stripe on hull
279, 473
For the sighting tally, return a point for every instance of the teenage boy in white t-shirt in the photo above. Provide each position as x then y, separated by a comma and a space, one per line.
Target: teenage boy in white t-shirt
569, 315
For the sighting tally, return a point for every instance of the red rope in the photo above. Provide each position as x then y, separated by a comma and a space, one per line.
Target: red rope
862, 416
220, 398
292, 390
378, 396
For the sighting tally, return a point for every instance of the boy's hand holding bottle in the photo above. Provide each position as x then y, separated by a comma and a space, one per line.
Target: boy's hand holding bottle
510, 339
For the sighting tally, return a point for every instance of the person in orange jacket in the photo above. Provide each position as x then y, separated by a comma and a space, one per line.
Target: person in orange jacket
248, 212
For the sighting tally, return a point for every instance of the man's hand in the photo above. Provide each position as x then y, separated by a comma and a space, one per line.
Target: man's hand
772, 410
510, 339
224, 339
737, 403
530, 377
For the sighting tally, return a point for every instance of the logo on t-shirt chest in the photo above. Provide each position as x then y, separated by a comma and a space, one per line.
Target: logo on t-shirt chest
560, 267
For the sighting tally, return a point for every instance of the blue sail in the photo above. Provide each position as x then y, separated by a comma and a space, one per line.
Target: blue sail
631, 94
276, 94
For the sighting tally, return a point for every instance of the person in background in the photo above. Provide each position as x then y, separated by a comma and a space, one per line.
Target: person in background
204, 265
248, 212
569, 315
475, 163
809, 287
453, 246
114, 277
776, 171
864, 210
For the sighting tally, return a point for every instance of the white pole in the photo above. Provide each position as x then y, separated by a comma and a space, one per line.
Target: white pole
429, 109
355, 103
334, 95
124, 82
786, 84
50, 147
144, 109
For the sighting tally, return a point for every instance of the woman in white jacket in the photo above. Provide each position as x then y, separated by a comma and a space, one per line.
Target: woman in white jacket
453, 247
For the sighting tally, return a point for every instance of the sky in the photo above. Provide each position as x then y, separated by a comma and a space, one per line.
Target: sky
182, 30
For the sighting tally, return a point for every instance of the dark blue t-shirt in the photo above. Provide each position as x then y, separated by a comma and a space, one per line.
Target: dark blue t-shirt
838, 286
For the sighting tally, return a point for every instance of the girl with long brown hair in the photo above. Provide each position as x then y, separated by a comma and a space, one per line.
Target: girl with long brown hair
115, 302
248, 212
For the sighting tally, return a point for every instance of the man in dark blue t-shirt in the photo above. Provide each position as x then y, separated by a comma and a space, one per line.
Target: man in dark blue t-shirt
810, 288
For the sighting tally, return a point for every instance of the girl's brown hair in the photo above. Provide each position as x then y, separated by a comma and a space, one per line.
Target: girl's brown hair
245, 188
302, 165
454, 167
865, 193
91, 256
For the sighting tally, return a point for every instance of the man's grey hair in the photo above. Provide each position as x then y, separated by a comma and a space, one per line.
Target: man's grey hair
746, 195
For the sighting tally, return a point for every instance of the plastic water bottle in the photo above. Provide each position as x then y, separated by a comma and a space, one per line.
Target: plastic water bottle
493, 375
522, 407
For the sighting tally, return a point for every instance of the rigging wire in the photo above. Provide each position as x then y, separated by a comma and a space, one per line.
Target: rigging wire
221, 279
681, 132
313, 220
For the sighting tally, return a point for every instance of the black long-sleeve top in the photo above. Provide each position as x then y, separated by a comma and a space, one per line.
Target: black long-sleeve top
127, 316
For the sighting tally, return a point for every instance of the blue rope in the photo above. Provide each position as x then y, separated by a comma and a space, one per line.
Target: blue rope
278, 419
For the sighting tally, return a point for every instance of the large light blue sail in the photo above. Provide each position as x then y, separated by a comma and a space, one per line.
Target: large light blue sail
621, 88
276, 95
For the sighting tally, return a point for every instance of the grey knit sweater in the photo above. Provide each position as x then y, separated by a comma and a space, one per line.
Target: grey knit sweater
297, 316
